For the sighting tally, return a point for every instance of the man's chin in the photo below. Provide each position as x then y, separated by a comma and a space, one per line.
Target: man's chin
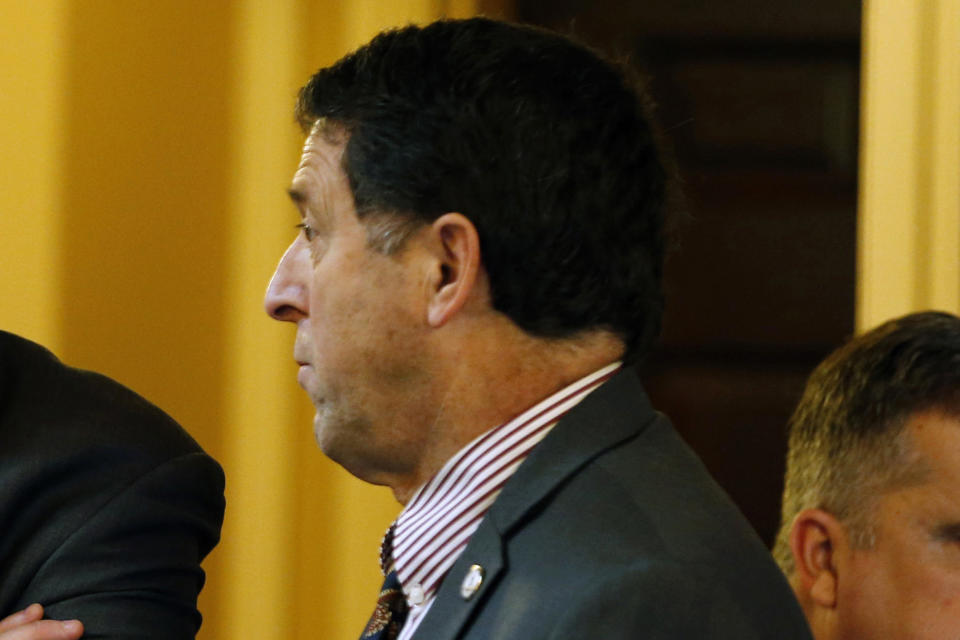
321, 433
333, 438
345, 444
339, 450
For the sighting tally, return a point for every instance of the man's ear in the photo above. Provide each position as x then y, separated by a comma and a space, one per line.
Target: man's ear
814, 538
457, 266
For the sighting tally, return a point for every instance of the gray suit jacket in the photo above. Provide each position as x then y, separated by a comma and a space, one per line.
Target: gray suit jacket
612, 528
107, 506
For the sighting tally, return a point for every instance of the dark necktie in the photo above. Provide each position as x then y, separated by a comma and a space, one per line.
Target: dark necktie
391, 611
392, 608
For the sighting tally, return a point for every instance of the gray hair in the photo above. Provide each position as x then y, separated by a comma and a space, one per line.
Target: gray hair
847, 443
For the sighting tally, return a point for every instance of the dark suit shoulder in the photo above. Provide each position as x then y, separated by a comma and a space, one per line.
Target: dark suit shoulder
613, 528
72, 444
47, 406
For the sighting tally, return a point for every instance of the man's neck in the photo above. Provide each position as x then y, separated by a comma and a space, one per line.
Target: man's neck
490, 379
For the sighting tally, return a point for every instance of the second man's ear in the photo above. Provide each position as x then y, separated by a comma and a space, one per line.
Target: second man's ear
458, 266
814, 537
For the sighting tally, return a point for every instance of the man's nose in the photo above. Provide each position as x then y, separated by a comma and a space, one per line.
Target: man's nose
286, 297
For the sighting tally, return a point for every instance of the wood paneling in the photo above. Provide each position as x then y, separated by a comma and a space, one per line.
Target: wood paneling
759, 99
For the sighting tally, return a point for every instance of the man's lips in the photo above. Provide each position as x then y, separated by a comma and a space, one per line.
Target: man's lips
302, 373
304, 368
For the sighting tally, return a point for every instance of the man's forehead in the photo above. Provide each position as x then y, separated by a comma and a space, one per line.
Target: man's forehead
320, 159
330, 131
325, 140
935, 434
927, 480
928, 451
301, 187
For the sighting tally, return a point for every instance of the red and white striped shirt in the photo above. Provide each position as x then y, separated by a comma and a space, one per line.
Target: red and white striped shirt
435, 526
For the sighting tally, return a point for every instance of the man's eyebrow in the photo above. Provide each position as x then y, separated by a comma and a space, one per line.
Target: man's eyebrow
298, 196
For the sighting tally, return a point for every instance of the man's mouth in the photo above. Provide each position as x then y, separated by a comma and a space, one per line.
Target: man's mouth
302, 373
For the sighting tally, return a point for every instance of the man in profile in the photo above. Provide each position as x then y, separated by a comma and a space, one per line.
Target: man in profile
870, 535
107, 506
479, 263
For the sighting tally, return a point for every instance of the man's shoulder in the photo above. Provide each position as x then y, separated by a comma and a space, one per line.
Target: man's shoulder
642, 490
87, 465
46, 405
620, 520
650, 500
17, 352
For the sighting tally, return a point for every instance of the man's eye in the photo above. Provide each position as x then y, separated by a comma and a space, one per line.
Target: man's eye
948, 532
307, 230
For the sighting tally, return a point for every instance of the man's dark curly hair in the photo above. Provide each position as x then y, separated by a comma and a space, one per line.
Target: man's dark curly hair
545, 146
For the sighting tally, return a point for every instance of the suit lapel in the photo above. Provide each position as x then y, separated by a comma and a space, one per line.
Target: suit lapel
451, 610
615, 412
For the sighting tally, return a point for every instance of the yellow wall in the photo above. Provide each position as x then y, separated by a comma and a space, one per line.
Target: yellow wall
144, 153
32, 62
909, 217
